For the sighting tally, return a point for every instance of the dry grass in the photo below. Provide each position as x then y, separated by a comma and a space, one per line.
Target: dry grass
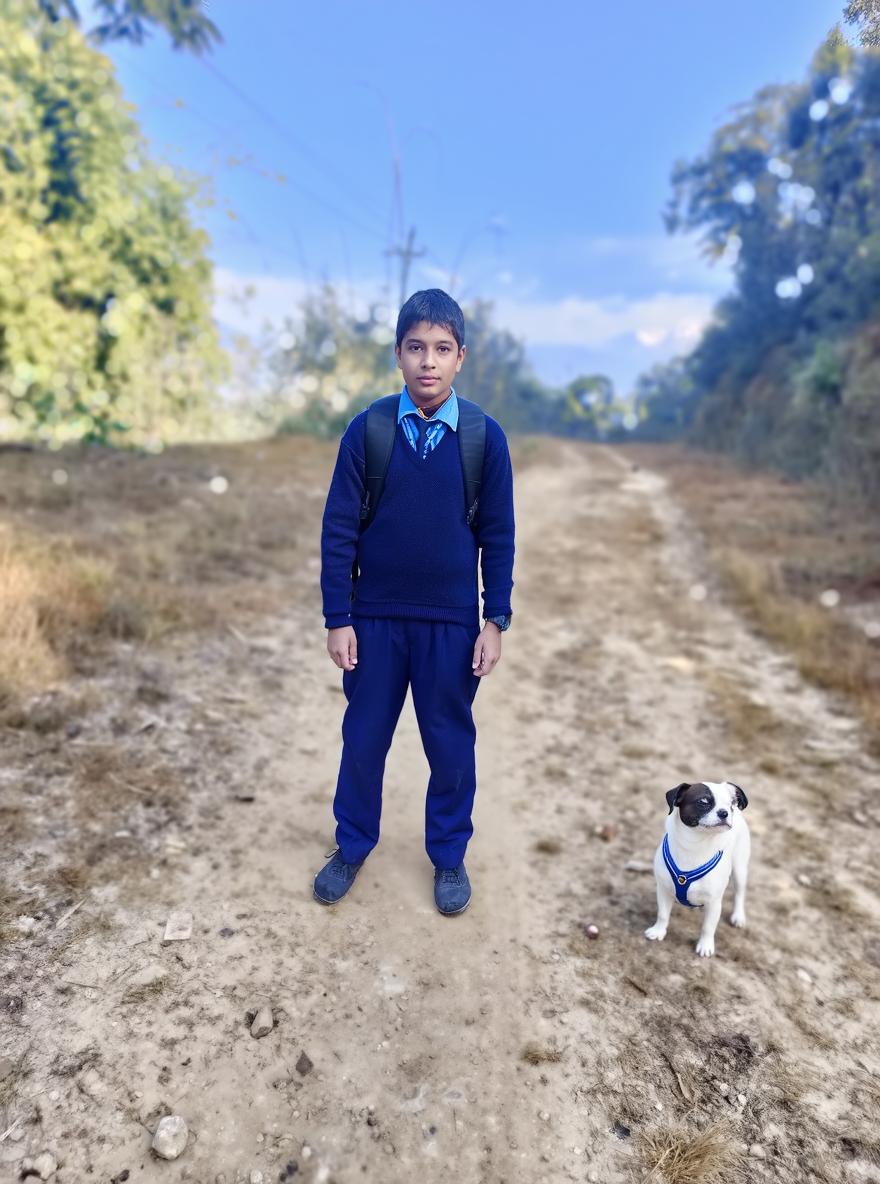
677, 1155
747, 720
540, 1054
778, 545
10, 1084
136, 547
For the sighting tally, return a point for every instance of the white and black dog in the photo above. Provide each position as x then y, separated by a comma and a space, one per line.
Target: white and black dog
706, 838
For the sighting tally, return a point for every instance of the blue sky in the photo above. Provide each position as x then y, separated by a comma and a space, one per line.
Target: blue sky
535, 147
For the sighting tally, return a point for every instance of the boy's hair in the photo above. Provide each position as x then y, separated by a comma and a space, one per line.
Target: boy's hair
437, 308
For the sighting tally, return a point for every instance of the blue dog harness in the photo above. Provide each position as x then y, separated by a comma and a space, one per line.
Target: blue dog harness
683, 880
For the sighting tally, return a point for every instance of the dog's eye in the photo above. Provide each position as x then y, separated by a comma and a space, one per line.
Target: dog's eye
703, 802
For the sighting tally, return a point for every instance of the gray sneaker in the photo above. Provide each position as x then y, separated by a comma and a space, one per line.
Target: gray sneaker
335, 878
452, 890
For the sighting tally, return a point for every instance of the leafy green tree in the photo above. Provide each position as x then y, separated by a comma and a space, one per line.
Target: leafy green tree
106, 329
865, 15
329, 364
185, 21
789, 193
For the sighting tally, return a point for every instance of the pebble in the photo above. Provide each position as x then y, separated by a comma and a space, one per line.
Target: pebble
306, 1151
804, 880
255, 1177
638, 865
43, 1165
723, 1088
179, 926
24, 924
804, 976
756, 1151
591, 931
741, 1098
544, 1116
263, 1022
304, 1064
170, 1137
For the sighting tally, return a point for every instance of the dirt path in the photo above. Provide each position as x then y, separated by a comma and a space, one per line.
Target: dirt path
500, 1046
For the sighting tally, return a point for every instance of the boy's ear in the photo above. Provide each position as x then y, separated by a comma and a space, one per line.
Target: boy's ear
672, 795
397, 355
462, 350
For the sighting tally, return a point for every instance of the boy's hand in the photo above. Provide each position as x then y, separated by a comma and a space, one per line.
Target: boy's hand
342, 646
487, 651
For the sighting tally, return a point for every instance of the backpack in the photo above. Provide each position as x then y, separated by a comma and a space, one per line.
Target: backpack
380, 433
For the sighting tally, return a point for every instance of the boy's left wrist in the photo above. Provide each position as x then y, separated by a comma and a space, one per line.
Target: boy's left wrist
501, 622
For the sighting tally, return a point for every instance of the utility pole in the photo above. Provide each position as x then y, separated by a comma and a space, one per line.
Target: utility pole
407, 254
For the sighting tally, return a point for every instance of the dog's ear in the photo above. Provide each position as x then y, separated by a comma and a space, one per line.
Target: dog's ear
673, 795
741, 800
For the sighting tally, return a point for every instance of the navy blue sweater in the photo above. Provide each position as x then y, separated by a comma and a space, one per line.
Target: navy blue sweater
418, 557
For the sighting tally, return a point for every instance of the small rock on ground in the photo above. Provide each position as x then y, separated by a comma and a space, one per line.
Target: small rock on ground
170, 1137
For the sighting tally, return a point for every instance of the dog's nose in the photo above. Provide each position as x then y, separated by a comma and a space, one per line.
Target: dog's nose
722, 814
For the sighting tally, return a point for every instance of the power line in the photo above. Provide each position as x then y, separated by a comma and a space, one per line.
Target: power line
285, 133
329, 206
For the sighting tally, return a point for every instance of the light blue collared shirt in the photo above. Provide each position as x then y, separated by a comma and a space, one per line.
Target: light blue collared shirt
445, 416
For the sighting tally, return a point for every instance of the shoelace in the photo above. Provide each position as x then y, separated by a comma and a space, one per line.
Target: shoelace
449, 875
338, 866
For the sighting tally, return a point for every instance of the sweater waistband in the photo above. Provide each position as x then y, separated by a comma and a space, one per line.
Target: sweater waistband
468, 615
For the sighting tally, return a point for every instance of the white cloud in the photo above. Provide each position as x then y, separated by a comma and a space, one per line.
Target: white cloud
664, 318
671, 320
273, 298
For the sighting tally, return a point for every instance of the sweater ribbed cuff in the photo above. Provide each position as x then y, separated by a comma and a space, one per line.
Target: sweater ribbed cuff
338, 622
497, 610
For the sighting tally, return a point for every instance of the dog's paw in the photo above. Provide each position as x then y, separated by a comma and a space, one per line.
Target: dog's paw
706, 947
738, 918
656, 933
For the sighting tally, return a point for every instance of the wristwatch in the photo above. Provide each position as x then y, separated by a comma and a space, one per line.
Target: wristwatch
502, 622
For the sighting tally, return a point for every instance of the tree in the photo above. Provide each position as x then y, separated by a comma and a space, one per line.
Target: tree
788, 192
106, 329
330, 364
865, 15
129, 20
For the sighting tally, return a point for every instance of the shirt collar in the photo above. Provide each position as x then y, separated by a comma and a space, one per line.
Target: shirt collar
447, 412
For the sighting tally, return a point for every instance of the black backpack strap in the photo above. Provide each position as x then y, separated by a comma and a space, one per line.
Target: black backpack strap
378, 444
381, 428
472, 446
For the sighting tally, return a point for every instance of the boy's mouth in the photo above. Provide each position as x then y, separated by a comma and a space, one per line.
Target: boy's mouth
427, 380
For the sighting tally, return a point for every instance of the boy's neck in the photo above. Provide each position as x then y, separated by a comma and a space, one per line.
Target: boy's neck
429, 408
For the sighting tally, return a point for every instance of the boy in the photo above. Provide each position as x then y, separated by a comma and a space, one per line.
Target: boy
411, 615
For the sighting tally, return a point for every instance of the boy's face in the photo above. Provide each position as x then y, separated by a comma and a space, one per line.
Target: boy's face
430, 359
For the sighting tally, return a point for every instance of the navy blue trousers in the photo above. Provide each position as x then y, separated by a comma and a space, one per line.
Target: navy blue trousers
435, 658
